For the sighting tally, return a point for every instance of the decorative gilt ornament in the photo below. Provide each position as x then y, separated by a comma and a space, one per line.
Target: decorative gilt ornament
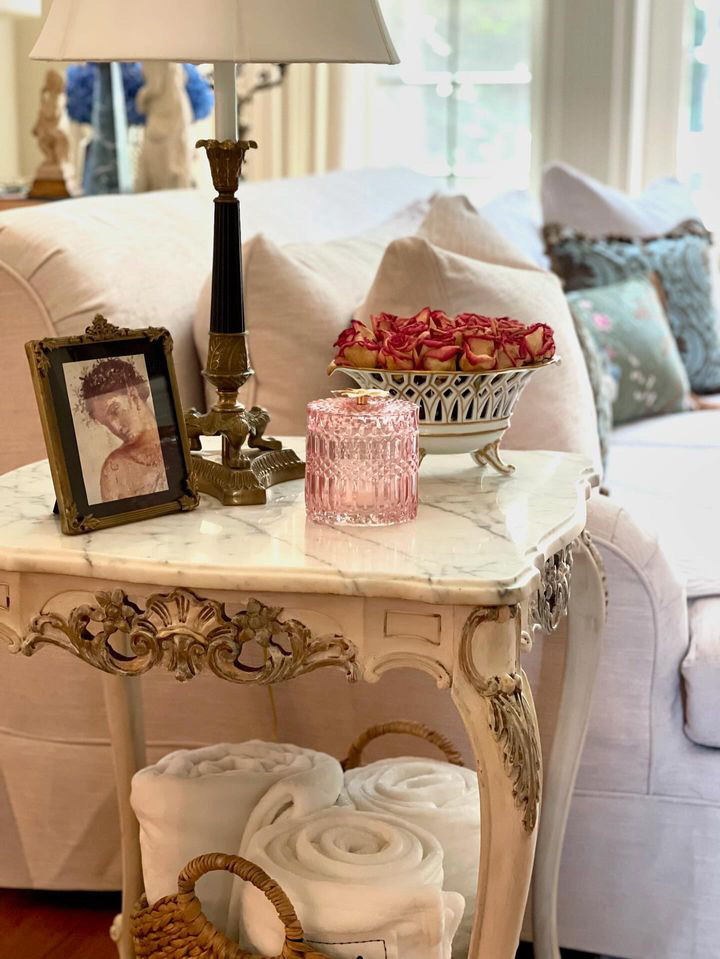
551, 600
185, 634
510, 716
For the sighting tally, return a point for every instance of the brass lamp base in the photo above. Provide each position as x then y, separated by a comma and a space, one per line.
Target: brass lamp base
241, 476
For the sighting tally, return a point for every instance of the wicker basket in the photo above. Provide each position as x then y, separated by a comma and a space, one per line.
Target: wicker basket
403, 727
175, 927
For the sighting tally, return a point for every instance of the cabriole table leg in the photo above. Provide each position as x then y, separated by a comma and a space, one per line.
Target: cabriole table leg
586, 621
493, 699
123, 706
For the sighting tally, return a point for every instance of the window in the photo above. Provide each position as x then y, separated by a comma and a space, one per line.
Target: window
458, 105
699, 139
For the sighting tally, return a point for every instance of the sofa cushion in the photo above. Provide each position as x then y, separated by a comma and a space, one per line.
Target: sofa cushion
415, 272
682, 261
627, 323
584, 203
516, 214
664, 471
701, 673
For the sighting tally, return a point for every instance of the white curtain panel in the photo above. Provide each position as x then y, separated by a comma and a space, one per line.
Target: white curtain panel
300, 125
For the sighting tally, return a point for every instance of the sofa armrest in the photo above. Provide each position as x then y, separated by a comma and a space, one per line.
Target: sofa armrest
637, 694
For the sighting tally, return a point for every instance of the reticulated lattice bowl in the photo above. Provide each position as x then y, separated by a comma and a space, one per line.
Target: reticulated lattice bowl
459, 412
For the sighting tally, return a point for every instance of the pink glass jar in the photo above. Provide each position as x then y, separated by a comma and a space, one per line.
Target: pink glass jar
362, 459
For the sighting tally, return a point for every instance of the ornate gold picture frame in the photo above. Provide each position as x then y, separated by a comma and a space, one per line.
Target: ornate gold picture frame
113, 426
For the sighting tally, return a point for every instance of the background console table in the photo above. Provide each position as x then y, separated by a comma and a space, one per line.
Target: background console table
257, 596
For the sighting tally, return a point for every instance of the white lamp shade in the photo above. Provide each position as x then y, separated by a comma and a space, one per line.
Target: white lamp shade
204, 31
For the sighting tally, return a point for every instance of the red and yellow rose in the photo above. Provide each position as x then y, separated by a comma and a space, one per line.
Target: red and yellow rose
435, 342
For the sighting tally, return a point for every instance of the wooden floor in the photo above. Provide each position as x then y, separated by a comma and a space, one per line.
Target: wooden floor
45, 925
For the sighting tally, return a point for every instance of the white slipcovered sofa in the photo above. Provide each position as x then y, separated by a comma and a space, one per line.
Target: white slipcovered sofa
641, 867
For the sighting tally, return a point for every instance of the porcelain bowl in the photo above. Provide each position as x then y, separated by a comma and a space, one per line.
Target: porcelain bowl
459, 412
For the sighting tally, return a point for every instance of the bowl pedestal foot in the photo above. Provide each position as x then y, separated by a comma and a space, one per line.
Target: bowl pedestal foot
490, 456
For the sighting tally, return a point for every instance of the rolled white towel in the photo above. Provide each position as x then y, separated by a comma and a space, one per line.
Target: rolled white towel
361, 883
212, 799
436, 796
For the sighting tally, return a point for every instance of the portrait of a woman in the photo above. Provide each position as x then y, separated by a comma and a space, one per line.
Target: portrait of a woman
116, 396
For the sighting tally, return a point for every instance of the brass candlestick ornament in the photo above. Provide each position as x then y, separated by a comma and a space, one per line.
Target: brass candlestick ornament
250, 462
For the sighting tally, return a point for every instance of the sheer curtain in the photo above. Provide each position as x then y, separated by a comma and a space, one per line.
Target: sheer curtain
458, 105
299, 126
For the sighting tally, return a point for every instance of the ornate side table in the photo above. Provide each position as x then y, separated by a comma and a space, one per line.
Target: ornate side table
260, 596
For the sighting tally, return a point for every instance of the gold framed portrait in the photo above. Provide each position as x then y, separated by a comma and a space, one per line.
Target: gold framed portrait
113, 426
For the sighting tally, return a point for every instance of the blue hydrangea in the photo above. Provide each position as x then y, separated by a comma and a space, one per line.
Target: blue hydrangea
81, 88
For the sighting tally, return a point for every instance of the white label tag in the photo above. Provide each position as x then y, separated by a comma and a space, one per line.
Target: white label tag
355, 949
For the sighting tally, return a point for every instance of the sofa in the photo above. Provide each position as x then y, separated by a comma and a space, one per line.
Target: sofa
640, 875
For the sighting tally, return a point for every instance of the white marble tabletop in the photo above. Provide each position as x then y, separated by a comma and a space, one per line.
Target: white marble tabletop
479, 538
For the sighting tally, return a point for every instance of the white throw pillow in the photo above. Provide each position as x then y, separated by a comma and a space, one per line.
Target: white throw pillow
455, 224
517, 216
298, 298
573, 199
556, 410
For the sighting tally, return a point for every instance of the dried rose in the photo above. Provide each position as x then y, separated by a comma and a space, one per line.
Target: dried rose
509, 353
383, 323
540, 342
408, 325
397, 351
437, 351
357, 346
476, 362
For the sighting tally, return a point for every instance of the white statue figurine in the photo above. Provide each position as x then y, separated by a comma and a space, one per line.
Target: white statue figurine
165, 161
54, 177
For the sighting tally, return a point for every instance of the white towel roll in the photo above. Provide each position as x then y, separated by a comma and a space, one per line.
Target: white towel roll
436, 796
361, 883
212, 800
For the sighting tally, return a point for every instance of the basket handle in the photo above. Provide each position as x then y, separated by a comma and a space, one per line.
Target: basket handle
295, 946
405, 727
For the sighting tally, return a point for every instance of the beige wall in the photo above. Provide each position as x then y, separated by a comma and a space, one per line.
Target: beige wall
30, 76
21, 80
9, 155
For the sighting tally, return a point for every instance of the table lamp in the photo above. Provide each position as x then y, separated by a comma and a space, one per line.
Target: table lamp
223, 32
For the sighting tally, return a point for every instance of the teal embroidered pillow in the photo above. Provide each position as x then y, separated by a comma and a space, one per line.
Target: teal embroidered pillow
627, 323
603, 385
681, 260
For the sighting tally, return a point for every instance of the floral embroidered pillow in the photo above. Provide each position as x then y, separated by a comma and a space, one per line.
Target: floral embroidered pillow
681, 261
627, 323
603, 385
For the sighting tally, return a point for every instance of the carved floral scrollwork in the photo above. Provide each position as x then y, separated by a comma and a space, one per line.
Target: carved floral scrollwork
510, 715
186, 634
551, 600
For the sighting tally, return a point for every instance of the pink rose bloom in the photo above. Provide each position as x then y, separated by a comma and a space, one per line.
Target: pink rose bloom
440, 321
476, 362
397, 351
409, 325
509, 353
437, 351
357, 346
383, 323
539, 343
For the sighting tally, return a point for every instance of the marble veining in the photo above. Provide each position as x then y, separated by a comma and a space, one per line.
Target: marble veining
479, 538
